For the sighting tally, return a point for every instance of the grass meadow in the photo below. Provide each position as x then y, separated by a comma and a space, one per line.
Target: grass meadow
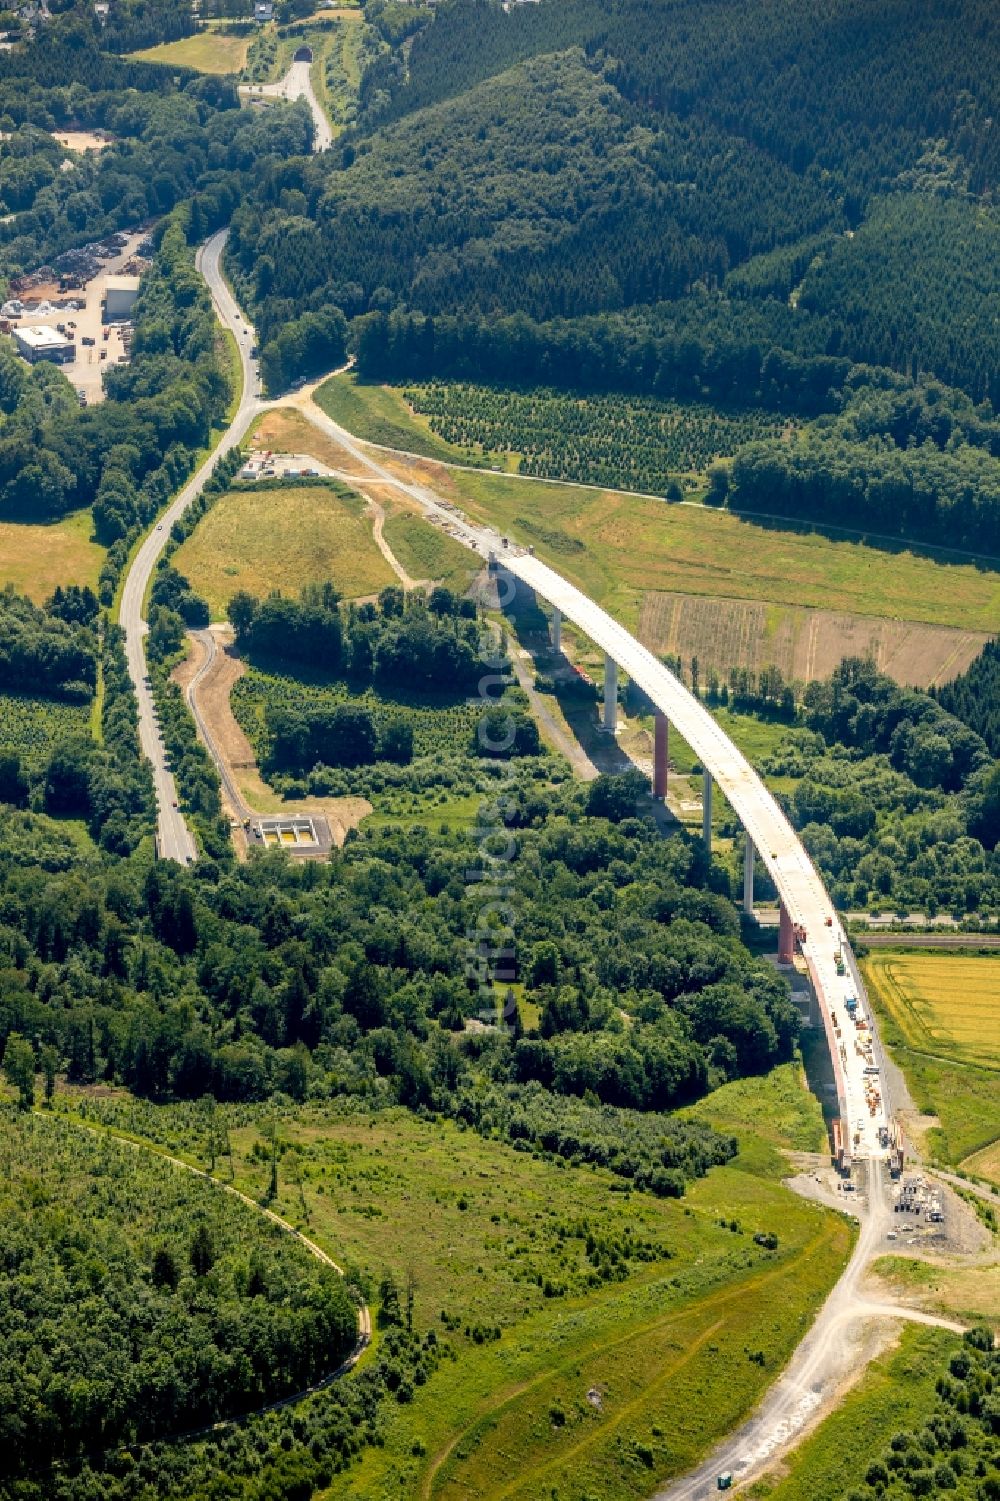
618, 547
604, 1389
36, 558
283, 538
428, 553
967, 1292
379, 414
207, 51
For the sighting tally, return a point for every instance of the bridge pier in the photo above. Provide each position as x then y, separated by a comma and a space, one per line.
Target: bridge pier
748, 876
706, 808
786, 936
610, 695
556, 631
661, 741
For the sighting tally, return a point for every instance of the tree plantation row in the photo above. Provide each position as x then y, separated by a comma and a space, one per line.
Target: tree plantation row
626, 444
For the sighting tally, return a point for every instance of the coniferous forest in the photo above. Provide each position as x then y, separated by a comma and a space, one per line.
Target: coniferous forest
509, 1051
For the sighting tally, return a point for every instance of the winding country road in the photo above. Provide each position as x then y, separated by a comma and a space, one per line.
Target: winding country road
825, 1356
174, 839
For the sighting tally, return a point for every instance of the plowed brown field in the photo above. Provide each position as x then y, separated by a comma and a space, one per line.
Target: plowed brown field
805, 644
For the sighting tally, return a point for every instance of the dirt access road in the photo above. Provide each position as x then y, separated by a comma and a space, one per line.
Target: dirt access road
822, 1364
206, 679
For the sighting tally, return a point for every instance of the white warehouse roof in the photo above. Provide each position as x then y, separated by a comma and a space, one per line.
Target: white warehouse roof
40, 338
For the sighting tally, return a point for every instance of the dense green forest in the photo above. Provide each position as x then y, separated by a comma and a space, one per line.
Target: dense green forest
597, 157
166, 1303
176, 135
700, 202
975, 696
897, 800
48, 759
362, 959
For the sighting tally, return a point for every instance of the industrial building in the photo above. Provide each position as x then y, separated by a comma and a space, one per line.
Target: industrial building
120, 293
44, 344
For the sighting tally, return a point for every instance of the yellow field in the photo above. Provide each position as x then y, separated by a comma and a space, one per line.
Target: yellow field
37, 558
943, 1003
986, 1164
261, 540
209, 52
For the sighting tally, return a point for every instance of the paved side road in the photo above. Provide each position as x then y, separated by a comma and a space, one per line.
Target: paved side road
297, 84
174, 840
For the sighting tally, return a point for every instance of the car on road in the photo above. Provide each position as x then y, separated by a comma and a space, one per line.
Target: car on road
159, 526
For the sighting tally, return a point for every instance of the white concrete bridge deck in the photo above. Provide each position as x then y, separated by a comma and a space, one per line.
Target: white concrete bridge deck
777, 845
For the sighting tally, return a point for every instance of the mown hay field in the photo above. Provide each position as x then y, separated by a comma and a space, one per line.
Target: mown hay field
805, 644
207, 51
37, 558
940, 1016
985, 1164
943, 1002
283, 538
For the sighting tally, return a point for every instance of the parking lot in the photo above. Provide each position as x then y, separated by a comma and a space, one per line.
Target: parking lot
87, 370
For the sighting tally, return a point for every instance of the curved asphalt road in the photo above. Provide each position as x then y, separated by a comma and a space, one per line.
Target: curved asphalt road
825, 1354
174, 841
297, 84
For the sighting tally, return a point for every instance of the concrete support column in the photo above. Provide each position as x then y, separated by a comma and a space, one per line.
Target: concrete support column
748, 877
786, 936
610, 695
661, 740
706, 808
557, 631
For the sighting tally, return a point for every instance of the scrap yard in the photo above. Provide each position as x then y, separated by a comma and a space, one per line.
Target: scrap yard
78, 312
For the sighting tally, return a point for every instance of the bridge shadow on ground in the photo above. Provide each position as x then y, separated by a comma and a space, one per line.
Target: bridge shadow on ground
591, 749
